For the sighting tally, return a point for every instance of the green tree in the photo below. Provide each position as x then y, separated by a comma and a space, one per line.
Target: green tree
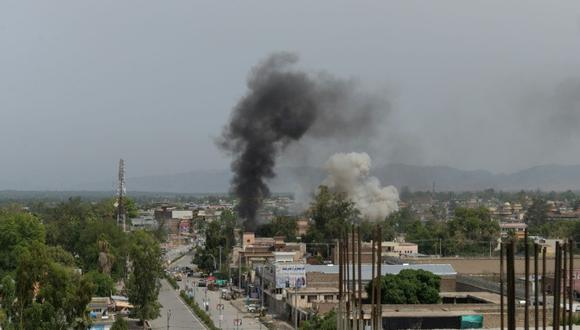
50, 295
106, 209
410, 286
332, 213
7, 299
96, 231
536, 215
65, 222
475, 224
402, 219
324, 322
219, 234
18, 230
143, 283
104, 284
280, 226
120, 324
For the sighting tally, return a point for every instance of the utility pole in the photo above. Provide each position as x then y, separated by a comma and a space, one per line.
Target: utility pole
220, 269
262, 288
221, 308
526, 281
168, 317
121, 191
295, 306
501, 284
354, 301
360, 324
379, 274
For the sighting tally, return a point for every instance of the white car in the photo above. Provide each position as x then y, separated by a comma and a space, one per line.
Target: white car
251, 308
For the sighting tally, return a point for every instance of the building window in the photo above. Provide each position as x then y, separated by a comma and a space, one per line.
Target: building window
302, 297
312, 298
328, 297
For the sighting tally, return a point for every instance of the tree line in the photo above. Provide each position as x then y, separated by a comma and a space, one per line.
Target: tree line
54, 259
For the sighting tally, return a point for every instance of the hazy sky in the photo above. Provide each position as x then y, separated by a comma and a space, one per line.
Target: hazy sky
473, 84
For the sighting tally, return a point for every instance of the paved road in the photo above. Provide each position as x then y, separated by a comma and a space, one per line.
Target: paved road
230, 313
181, 317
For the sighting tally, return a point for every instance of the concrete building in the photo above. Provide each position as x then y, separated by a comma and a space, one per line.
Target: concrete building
260, 250
145, 220
302, 226
389, 249
518, 228
445, 271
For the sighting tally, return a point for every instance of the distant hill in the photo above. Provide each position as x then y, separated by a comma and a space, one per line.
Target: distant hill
547, 177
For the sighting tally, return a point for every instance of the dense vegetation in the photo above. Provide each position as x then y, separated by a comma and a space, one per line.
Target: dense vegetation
469, 231
218, 234
324, 322
54, 259
409, 287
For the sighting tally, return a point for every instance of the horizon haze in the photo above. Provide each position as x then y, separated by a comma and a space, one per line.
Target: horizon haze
487, 85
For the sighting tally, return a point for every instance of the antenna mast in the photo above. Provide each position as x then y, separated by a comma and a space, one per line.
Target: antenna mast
121, 191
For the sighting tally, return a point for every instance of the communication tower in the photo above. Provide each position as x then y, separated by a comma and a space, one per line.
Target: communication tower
121, 191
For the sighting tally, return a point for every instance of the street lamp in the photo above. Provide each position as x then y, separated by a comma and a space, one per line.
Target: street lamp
214, 263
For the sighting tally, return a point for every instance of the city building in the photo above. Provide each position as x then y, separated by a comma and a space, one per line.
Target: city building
390, 249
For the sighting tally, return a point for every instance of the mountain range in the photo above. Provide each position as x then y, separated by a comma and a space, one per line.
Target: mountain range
442, 178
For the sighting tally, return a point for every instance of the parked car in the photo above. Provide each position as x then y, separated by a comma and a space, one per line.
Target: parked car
226, 294
252, 308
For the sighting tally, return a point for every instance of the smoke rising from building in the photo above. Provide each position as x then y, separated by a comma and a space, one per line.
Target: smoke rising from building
283, 105
349, 173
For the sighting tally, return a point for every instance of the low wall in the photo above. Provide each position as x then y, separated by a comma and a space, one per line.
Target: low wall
480, 266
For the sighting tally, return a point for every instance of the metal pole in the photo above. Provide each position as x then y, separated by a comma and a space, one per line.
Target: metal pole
261, 289
544, 300
360, 311
220, 259
340, 293
556, 289
347, 270
564, 282
295, 306
373, 284
526, 281
344, 284
354, 316
168, 317
511, 292
571, 285
379, 275
536, 289
501, 306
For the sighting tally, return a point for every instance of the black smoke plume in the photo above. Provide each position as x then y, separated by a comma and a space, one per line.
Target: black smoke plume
283, 105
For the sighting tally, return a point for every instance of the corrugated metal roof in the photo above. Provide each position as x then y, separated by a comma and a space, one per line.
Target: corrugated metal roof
437, 269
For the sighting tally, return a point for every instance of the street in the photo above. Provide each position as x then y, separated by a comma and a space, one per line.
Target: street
180, 316
229, 312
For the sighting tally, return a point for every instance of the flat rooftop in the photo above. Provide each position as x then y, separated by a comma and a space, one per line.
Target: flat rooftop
366, 269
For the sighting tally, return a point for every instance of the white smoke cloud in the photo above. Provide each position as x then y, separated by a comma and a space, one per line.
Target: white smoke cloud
349, 173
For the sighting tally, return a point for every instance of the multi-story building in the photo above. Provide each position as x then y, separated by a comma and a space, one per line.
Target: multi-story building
389, 249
